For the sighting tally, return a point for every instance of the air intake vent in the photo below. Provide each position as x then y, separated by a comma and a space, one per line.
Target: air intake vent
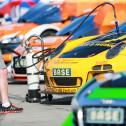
97, 67
65, 81
107, 67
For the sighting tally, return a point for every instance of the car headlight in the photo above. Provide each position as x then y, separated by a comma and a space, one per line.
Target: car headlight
79, 112
93, 115
115, 116
13, 39
21, 37
80, 117
5, 41
105, 115
75, 104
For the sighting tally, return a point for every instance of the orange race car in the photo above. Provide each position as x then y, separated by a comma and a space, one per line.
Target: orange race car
61, 13
57, 13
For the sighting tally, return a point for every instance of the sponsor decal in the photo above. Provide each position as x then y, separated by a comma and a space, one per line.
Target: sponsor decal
62, 90
107, 101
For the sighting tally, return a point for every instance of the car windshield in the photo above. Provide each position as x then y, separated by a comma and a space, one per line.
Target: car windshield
86, 51
110, 36
115, 50
42, 14
94, 46
57, 51
117, 82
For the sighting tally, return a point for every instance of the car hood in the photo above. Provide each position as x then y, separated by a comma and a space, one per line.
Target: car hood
108, 97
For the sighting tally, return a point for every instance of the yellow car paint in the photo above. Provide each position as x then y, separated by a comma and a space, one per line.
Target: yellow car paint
67, 75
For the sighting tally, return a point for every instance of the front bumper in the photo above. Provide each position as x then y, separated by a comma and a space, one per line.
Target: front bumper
62, 85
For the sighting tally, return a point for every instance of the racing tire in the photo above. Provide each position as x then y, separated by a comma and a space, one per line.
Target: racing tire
49, 97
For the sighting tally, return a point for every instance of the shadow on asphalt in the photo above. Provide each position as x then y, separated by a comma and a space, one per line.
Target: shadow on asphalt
2, 116
58, 101
15, 82
17, 97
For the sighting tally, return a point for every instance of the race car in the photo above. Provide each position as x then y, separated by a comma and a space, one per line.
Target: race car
101, 101
18, 72
69, 68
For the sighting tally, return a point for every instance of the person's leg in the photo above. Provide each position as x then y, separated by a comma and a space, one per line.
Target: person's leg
4, 87
3, 82
6, 106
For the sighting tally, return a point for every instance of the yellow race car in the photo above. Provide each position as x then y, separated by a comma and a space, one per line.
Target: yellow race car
68, 70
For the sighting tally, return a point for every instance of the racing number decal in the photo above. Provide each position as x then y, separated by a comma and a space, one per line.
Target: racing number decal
60, 72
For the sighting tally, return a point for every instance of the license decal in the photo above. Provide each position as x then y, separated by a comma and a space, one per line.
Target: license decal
105, 115
61, 72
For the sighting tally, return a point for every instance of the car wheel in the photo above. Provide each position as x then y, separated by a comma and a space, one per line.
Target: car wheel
48, 33
49, 97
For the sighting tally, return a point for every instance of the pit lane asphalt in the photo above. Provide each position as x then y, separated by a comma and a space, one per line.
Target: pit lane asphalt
36, 114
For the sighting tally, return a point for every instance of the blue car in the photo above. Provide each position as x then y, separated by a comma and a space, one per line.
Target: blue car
42, 14
101, 102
